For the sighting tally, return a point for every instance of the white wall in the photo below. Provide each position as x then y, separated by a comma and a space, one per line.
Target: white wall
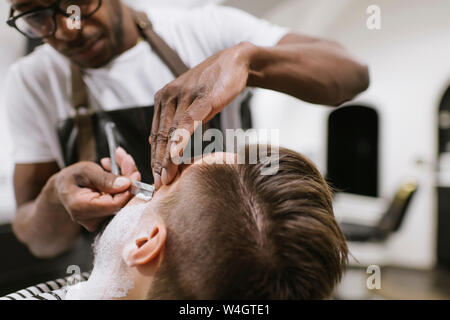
409, 61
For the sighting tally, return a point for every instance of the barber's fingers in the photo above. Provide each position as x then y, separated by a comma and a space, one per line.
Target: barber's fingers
106, 164
88, 192
90, 204
126, 163
109, 202
160, 135
92, 208
179, 134
188, 118
152, 139
94, 177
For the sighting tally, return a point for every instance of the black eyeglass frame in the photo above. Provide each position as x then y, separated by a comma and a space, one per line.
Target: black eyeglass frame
56, 10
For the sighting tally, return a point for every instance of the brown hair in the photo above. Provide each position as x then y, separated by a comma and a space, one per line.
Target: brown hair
237, 234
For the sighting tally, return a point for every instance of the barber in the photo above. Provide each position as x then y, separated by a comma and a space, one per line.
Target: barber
150, 73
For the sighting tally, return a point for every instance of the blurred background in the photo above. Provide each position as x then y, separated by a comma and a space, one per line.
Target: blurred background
387, 153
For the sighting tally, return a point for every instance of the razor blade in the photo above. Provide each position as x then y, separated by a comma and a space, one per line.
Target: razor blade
141, 190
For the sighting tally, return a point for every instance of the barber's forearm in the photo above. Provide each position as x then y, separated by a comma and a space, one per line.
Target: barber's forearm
316, 71
44, 225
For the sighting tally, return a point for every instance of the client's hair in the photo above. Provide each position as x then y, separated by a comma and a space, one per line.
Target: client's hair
252, 236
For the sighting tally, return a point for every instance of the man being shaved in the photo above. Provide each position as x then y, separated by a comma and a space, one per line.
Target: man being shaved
224, 231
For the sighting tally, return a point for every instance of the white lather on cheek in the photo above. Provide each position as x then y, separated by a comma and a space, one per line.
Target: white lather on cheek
111, 277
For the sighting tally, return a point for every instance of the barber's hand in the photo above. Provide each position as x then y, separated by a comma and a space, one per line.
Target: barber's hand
90, 194
197, 95
126, 164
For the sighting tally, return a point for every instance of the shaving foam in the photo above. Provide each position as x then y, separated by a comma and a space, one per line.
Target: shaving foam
111, 278
143, 197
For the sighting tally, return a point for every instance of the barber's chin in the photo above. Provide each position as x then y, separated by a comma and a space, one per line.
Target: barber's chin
97, 57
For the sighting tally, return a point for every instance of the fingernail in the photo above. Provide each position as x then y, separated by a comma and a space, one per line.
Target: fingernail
104, 161
136, 176
121, 151
121, 182
157, 178
175, 137
130, 159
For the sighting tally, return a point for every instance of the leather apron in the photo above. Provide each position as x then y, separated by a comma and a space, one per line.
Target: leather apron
83, 138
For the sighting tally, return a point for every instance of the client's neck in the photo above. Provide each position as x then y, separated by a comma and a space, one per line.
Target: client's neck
138, 292
143, 278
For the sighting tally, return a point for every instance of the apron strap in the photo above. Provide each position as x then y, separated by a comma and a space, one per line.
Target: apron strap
169, 56
161, 48
86, 145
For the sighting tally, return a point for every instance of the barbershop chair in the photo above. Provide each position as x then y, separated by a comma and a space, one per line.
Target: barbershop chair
20, 269
389, 223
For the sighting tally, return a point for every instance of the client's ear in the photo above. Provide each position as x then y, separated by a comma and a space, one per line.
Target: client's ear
146, 248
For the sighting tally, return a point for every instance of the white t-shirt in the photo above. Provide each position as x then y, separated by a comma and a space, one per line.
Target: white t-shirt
38, 88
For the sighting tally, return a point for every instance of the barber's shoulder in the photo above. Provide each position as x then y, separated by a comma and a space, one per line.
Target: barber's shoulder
181, 26
40, 64
178, 15
208, 23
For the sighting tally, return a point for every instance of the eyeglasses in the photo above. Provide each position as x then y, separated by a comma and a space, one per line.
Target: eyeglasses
40, 23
